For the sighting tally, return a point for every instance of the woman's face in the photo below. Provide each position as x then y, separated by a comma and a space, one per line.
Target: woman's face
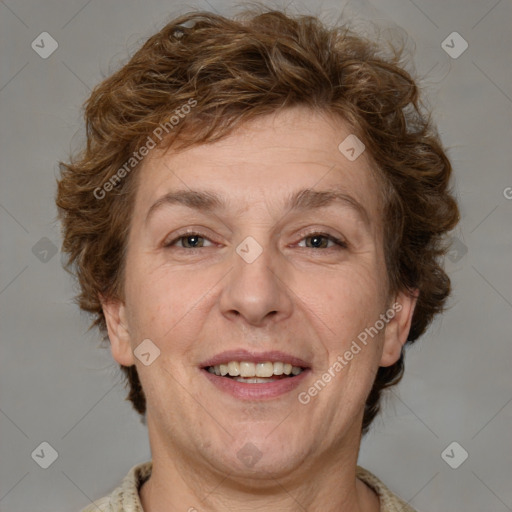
265, 247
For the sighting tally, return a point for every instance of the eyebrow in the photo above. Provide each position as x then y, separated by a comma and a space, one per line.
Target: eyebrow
301, 200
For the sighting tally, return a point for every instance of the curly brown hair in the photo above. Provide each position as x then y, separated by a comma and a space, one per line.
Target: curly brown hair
235, 70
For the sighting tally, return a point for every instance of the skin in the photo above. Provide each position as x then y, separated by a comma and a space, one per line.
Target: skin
307, 300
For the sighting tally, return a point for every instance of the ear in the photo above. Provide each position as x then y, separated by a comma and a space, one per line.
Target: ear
118, 333
398, 326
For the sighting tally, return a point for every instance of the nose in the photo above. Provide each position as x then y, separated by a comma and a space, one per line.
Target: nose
256, 292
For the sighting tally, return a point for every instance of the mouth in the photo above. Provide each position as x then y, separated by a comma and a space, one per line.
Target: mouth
255, 373
250, 376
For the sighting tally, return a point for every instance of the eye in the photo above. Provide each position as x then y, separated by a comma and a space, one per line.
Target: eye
194, 240
322, 240
188, 241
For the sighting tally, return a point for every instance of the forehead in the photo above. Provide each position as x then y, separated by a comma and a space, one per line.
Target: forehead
263, 163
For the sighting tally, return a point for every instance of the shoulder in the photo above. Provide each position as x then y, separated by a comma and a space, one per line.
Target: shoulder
101, 505
389, 502
126, 496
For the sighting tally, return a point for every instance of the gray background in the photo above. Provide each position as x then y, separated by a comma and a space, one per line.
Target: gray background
59, 386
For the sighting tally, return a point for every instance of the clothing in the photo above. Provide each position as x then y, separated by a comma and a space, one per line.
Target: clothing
125, 498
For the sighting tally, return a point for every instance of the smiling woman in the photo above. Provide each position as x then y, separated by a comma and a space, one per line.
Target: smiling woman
260, 270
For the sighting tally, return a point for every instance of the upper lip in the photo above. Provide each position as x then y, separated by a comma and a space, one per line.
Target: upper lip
254, 357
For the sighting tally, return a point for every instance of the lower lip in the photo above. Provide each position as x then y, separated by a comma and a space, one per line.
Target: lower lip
247, 391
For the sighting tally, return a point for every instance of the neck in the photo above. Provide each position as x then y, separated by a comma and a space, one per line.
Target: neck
329, 485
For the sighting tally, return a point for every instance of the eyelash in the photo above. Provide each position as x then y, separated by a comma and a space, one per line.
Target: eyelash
340, 243
337, 241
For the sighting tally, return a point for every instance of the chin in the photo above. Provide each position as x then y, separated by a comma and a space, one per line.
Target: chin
268, 452
252, 465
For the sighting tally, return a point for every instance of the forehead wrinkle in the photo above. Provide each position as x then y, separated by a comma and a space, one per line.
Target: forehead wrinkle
301, 200
309, 199
202, 200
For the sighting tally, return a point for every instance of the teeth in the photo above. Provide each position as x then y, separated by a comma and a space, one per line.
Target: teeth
253, 380
264, 370
246, 369
233, 369
278, 368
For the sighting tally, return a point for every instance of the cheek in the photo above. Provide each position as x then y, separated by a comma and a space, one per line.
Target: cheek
344, 300
152, 303
168, 306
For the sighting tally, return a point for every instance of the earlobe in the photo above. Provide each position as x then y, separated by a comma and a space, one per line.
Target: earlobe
398, 326
118, 333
